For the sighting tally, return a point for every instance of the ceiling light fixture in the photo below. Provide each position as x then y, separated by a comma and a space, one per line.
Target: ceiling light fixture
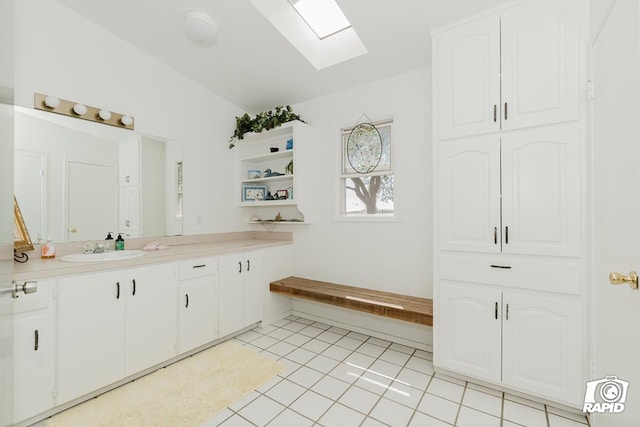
324, 17
200, 28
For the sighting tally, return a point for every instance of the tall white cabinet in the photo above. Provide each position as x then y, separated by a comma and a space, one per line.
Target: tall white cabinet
509, 161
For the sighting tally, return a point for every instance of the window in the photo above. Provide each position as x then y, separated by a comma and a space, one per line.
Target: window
371, 193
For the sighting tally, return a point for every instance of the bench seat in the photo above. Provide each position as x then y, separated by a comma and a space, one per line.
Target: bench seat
387, 304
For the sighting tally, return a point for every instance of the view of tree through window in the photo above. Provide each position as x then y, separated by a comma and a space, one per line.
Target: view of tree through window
370, 193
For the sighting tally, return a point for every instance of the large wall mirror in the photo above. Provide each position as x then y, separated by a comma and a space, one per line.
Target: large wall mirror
77, 180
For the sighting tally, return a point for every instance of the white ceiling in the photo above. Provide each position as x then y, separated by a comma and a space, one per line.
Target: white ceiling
254, 66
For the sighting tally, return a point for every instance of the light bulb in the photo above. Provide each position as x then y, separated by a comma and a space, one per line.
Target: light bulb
104, 114
126, 120
51, 101
80, 109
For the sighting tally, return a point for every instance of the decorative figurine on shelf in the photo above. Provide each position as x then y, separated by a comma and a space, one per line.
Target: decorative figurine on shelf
278, 217
269, 196
268, 173
274, 149
289, 168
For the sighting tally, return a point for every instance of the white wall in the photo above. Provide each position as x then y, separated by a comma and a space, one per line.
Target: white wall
392, 256
82, 62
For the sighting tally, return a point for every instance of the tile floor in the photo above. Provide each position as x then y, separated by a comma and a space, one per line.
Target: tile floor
334, 377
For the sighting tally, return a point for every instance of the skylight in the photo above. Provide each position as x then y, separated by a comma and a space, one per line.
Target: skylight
324, 17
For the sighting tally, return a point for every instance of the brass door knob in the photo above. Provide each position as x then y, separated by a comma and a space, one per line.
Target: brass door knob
73, 230
621, 279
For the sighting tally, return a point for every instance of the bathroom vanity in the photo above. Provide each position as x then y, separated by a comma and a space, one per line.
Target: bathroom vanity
93, 326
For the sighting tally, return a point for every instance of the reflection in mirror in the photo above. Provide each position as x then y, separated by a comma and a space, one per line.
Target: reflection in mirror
21, 238
78, 180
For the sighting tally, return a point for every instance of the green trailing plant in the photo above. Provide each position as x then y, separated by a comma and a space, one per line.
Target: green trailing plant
262, 121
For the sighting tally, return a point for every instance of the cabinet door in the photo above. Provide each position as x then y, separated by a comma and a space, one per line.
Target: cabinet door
541, 191
468, 329
197, 312
542, 346
129, 221
467, 79
254, 287
33, 367
129, 162
90, 333
230, 293
151, 316
469, 194
540, 58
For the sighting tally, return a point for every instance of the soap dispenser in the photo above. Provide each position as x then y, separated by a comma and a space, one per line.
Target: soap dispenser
119, 243
109, 236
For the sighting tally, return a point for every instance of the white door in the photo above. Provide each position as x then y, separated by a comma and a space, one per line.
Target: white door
540, 63
467, 76
469, 194
469, 329
29, 187
91, 208
616, 127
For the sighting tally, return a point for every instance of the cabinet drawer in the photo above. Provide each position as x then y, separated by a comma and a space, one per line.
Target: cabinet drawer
501, 271
197, 268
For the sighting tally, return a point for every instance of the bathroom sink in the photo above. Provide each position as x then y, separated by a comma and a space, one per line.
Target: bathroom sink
104, 256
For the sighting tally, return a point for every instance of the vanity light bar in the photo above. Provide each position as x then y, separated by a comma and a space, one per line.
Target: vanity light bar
81, 111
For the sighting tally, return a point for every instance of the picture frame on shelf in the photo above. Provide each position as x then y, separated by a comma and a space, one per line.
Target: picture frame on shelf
282, 195
253, 193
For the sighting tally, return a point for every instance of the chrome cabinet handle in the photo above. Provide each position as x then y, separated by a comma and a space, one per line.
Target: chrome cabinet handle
505, 111
496, 310
507, 313
495, 235
36, 340
199, 266
495, 113
506, 234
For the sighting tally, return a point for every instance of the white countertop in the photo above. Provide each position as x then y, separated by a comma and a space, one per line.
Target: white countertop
179, 248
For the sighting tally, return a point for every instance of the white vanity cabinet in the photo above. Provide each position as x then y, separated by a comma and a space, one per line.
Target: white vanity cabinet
113, 324
508, 70
197, 302
34, 352
241, 291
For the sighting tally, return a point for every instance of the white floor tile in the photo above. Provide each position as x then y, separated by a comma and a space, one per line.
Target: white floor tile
422, 420
348, 342
359, 360
215, 421
423, 355
421, 365
281, 348
236, 421
321, 325
414, 379
385, 369
285, 392
523, 414
524, 401
311, 331
379, 342
402, 348
279, 334
483, 402
261, 411
330, 387
558, 421
402, 393
471, 418
316, 346
337, 352
289, 367
370, 349
236, 406
281, 323
264, 342
370, 422
439, 408
373, 384
358, 336
450, 379
294, 326
305, 321
575, 416
330, 337
484, 389
347, 373
446, 389
289, 418
300, 355
266, 386
359, 399
249, 336
395, 356
322, 363
305, 376
392, 413
311, 405
339, 331
297, 339
340, 415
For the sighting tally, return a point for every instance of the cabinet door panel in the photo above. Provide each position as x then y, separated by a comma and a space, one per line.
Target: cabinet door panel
197, 313
468, 78
230, 294
151, 316
469, 194
254, 288
90, 333
468, 329
541, 191
540, 73
542, 348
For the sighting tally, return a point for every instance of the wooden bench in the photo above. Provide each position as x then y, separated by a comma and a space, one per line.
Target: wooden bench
387, 304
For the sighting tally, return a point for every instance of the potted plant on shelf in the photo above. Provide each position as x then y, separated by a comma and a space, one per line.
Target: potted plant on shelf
262, 121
